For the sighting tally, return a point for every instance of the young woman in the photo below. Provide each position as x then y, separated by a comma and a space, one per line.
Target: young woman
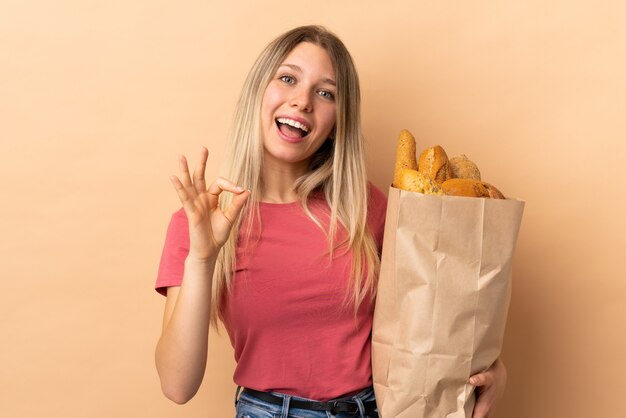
288, 258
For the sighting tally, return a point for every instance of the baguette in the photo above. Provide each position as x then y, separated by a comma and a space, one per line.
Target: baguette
405, 155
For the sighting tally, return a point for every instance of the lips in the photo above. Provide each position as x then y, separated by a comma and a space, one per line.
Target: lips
292, 128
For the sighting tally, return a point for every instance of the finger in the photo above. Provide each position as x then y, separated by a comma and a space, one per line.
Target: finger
184, 197
234, 209
185, 179
198, 175
220, 185
485, 398
481, 379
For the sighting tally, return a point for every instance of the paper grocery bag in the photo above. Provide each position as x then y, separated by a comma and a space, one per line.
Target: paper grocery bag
443, 297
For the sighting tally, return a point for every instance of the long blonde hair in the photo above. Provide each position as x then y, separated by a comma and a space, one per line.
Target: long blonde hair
337, 169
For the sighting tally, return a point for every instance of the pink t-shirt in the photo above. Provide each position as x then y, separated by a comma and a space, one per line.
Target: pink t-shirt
285, 317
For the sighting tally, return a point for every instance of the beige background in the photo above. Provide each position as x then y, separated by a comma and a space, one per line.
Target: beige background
98, 98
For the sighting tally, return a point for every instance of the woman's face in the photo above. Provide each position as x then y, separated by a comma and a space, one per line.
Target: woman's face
298, 109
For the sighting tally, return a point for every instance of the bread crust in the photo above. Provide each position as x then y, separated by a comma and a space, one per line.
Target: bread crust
493, 192
414, 181
470, 188
405, 155
434, 163
464, 168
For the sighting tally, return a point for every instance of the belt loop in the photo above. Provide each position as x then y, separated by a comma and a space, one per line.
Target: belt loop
285, 412
237, 395
359, 403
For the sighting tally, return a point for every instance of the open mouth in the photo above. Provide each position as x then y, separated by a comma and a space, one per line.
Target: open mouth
292, 128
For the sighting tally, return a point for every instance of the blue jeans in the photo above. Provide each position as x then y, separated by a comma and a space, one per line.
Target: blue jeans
250, 407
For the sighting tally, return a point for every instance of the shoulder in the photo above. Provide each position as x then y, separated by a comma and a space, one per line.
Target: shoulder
376, 212
377, 200
175, 250
179, 220
179, 217
178, 230
376, 194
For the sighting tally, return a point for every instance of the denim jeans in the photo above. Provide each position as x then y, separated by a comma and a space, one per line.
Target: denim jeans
250, 407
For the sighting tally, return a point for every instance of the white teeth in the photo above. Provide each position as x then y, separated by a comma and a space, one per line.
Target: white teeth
293, 123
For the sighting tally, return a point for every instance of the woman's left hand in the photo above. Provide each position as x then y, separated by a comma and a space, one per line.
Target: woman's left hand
489, 388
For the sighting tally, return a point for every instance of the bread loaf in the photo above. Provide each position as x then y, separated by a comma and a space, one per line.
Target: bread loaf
405, 155
463, 168
493, 192
435, 174
470, 188
414, 181
433, 163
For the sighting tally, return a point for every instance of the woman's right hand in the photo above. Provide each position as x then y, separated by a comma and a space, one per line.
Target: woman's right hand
209, 226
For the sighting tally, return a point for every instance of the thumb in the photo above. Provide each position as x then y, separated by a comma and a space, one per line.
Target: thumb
480, 379
234, 209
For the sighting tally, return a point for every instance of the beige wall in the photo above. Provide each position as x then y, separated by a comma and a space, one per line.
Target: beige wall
97, 99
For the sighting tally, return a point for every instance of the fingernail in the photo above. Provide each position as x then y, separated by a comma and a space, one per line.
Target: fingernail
473, 380
239, 188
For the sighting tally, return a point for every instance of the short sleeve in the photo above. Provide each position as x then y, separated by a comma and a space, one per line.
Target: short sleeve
175, 250
377, 212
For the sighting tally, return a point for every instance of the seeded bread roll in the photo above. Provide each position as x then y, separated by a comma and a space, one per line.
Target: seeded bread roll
470, 188
405, 155
434, 163
493, 192
414, 181
463, 168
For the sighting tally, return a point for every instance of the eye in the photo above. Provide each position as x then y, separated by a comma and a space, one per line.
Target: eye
287, 79
326, 94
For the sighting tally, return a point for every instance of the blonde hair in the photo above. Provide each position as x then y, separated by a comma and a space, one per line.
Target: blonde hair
337, 169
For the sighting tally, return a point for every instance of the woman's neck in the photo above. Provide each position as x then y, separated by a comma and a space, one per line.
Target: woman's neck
279, 180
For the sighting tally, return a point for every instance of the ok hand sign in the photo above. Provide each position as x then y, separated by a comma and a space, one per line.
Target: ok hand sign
209, 226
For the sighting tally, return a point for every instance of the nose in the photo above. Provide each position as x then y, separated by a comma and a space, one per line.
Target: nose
301, 99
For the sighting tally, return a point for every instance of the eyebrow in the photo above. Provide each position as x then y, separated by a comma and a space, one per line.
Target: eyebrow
297, 68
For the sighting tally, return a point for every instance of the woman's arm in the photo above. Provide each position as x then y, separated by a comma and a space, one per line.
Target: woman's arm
181, 352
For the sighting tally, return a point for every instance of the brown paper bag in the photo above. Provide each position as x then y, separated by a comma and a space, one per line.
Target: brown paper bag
443, 298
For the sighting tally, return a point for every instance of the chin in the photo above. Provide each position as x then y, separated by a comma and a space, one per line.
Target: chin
285, 157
